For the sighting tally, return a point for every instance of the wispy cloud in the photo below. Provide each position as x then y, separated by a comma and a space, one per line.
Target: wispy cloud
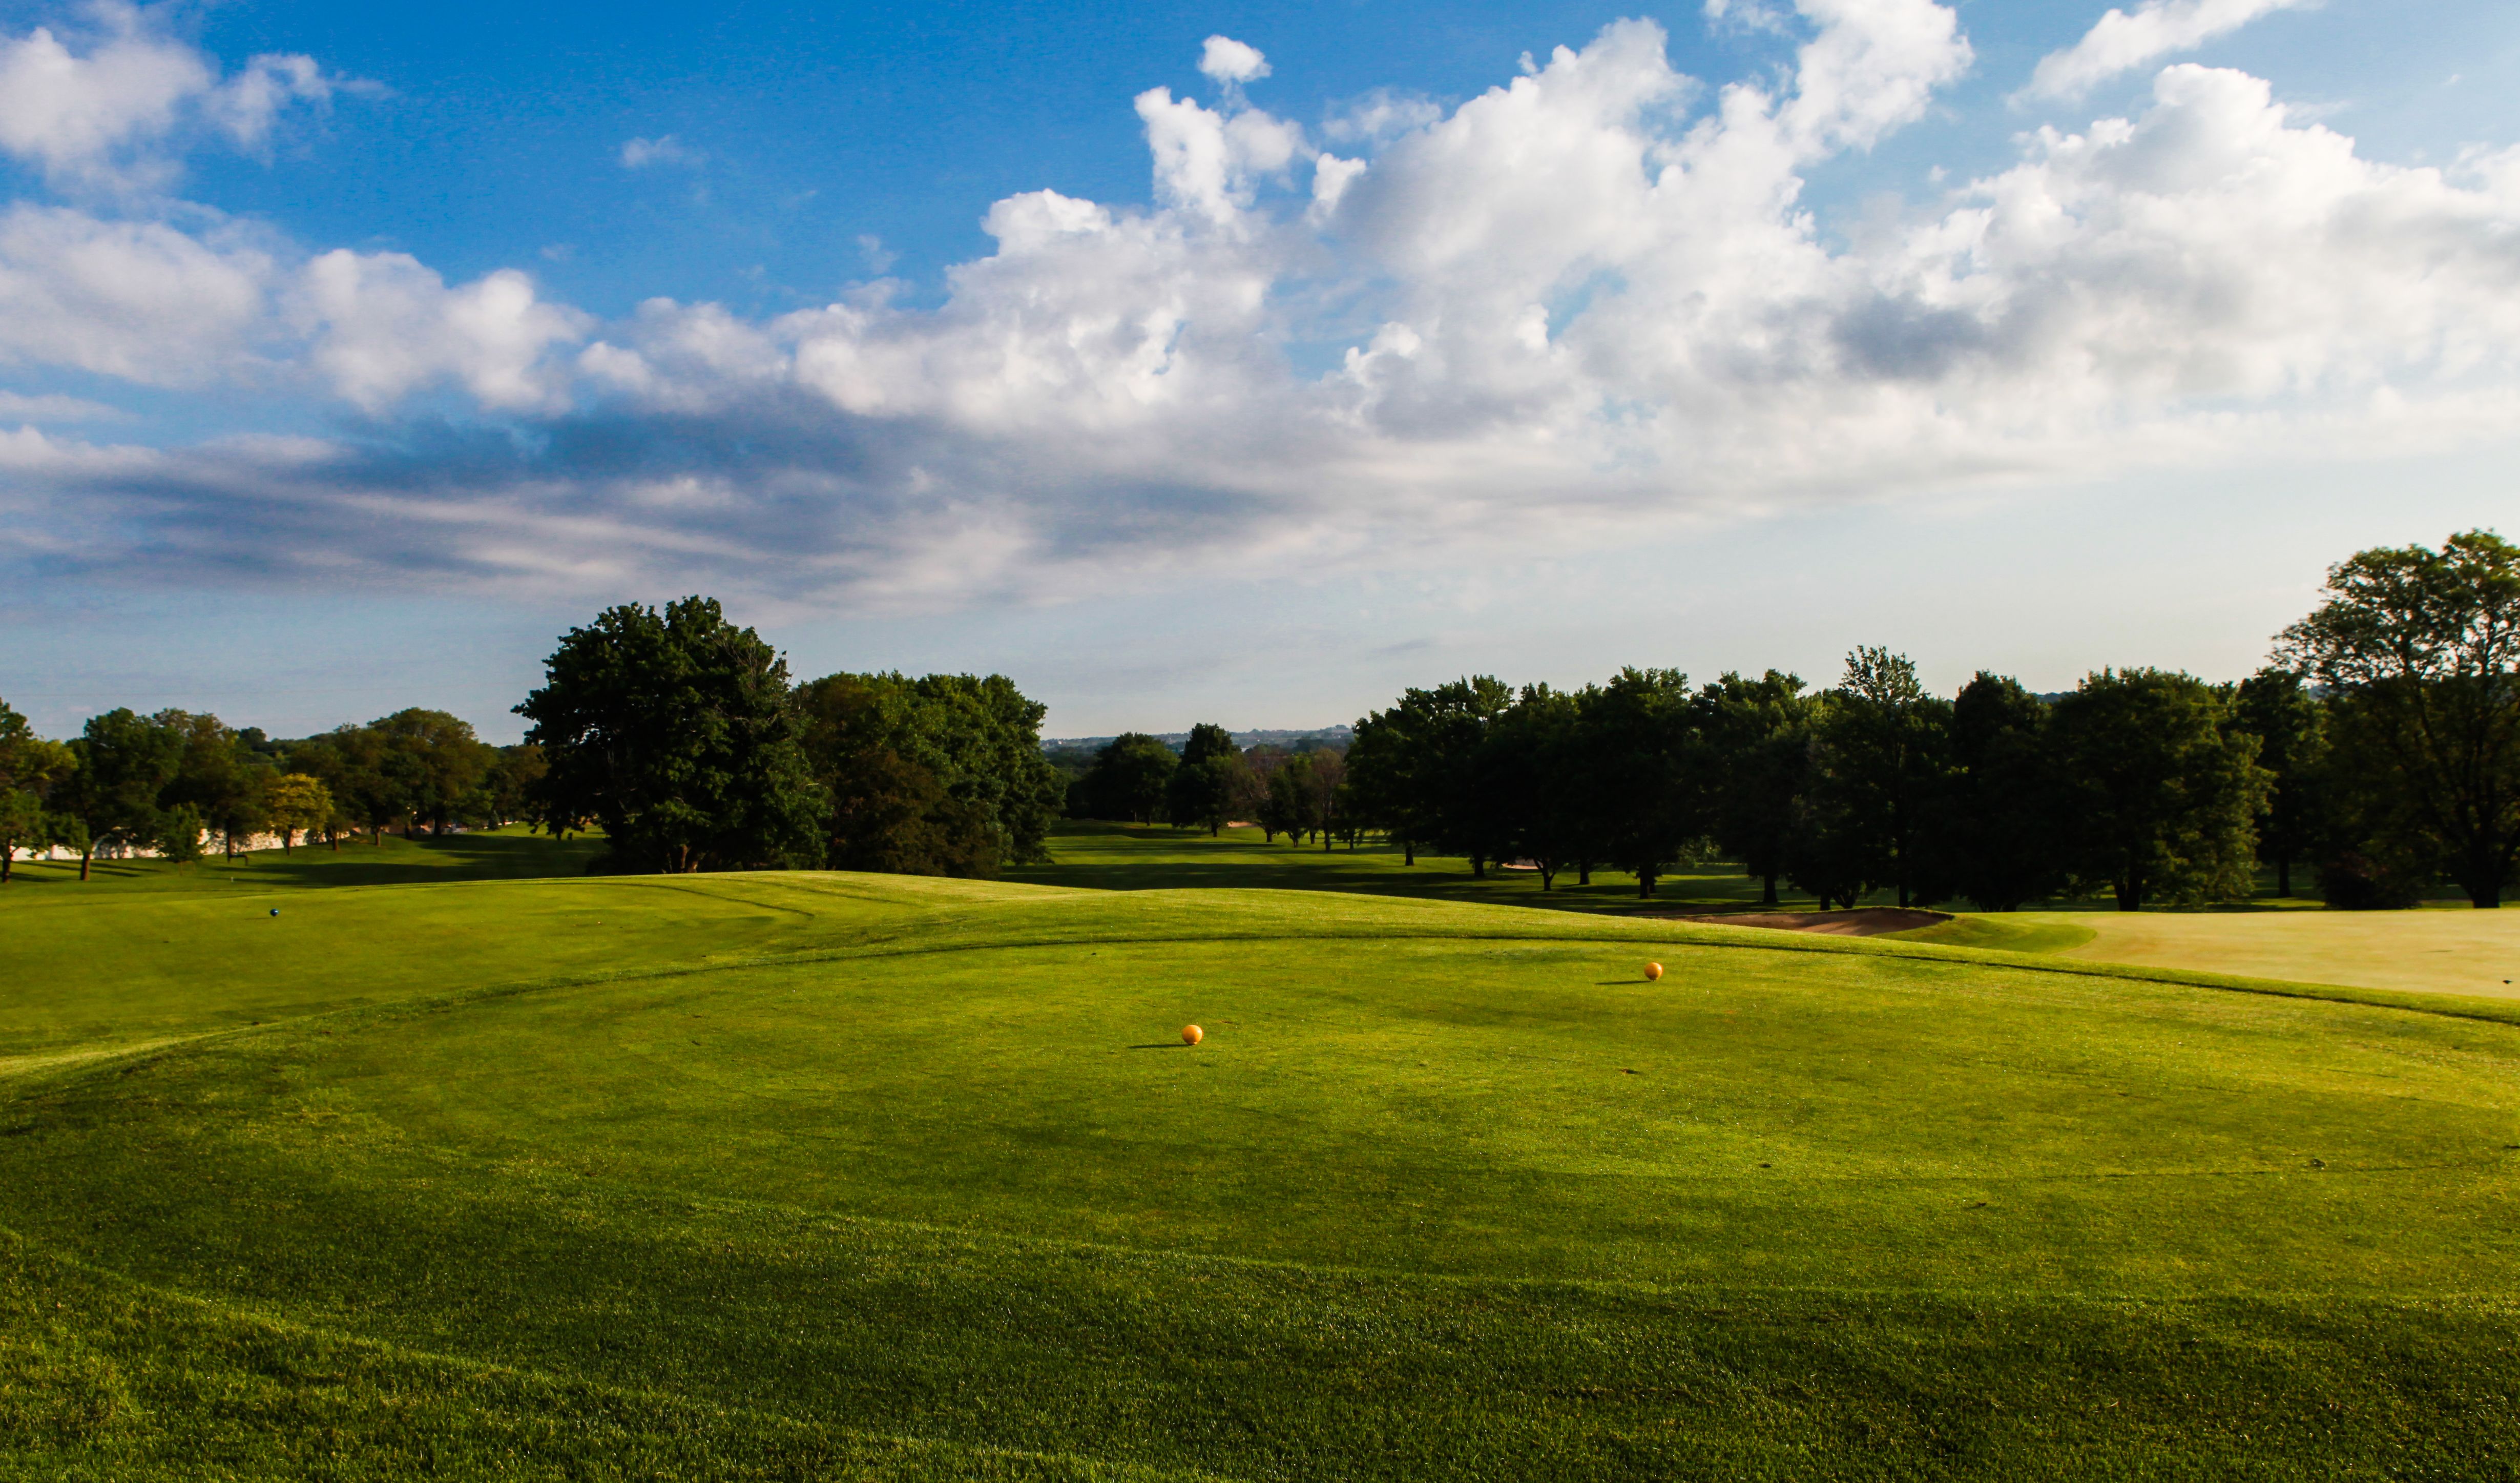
666, 148
2123, 40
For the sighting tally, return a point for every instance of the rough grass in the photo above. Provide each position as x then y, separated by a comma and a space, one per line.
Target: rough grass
826, 1176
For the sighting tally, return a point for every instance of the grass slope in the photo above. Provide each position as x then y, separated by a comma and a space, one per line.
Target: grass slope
827, 1176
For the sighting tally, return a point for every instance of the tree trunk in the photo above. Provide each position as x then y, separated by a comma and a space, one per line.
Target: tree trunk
1478, 867
2283, 873
1408, 851
2130, 895
1767, 895
1548, 872
1325, 841
1645, 883
85, 855
332, 837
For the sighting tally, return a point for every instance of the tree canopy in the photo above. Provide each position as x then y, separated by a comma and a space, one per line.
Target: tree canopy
2419, 649
676, 729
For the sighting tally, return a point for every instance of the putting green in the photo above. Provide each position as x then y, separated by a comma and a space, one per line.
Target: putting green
2449, 951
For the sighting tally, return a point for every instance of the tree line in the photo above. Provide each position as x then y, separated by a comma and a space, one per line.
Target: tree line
170, 781
2377, 752
680, 736
1299, 791
675, 732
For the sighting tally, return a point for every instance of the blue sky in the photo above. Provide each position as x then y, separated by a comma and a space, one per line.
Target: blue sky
348, 353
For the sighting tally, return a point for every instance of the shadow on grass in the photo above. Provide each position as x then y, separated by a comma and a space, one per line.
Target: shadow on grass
500, 856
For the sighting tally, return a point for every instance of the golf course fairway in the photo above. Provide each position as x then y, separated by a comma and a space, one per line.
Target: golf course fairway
828, 1176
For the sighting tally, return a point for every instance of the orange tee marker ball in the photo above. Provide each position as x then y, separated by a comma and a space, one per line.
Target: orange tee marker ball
1191, 1035
1653, 970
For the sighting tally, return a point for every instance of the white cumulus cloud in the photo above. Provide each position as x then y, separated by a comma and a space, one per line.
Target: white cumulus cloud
380, 325
100, 106
1585, 301
1230, 61
2122, 40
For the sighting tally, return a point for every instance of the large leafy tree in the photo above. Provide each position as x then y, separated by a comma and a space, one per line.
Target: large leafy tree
2160, 788
1203, 790
1449, 728
435, 765
940, 776
1758, 744
2291, 727
352, 762
1884, 755
123, 761
1286, 806
676, 731
2419, 650
1996, 834
1529, 773
874, 750
1650, 803
29, 767
221, 777
1130, 780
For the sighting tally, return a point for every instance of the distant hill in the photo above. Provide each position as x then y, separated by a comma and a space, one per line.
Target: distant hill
1320, 735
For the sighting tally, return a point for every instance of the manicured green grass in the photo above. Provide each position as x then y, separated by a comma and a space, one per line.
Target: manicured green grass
1095, 855
826, 1176
2009, 932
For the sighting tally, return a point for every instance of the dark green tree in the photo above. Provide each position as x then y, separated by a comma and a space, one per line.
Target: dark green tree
1287, 808
2160, 792
435, 764
677, 730
1996, 830
2419, 652
1448, 727
124, 762
30, 769
1203, 790
1650, 806
1882, 755
222, 778
1757, 735
350, 761
1528, 772
2291, 727
509, 784
1131, 779
927, 779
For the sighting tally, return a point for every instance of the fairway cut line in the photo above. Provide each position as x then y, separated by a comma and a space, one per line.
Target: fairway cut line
28, 1065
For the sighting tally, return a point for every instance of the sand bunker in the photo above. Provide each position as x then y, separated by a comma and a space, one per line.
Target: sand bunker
1863, 921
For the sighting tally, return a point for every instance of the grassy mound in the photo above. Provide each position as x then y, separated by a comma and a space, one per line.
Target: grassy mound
815, 1176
